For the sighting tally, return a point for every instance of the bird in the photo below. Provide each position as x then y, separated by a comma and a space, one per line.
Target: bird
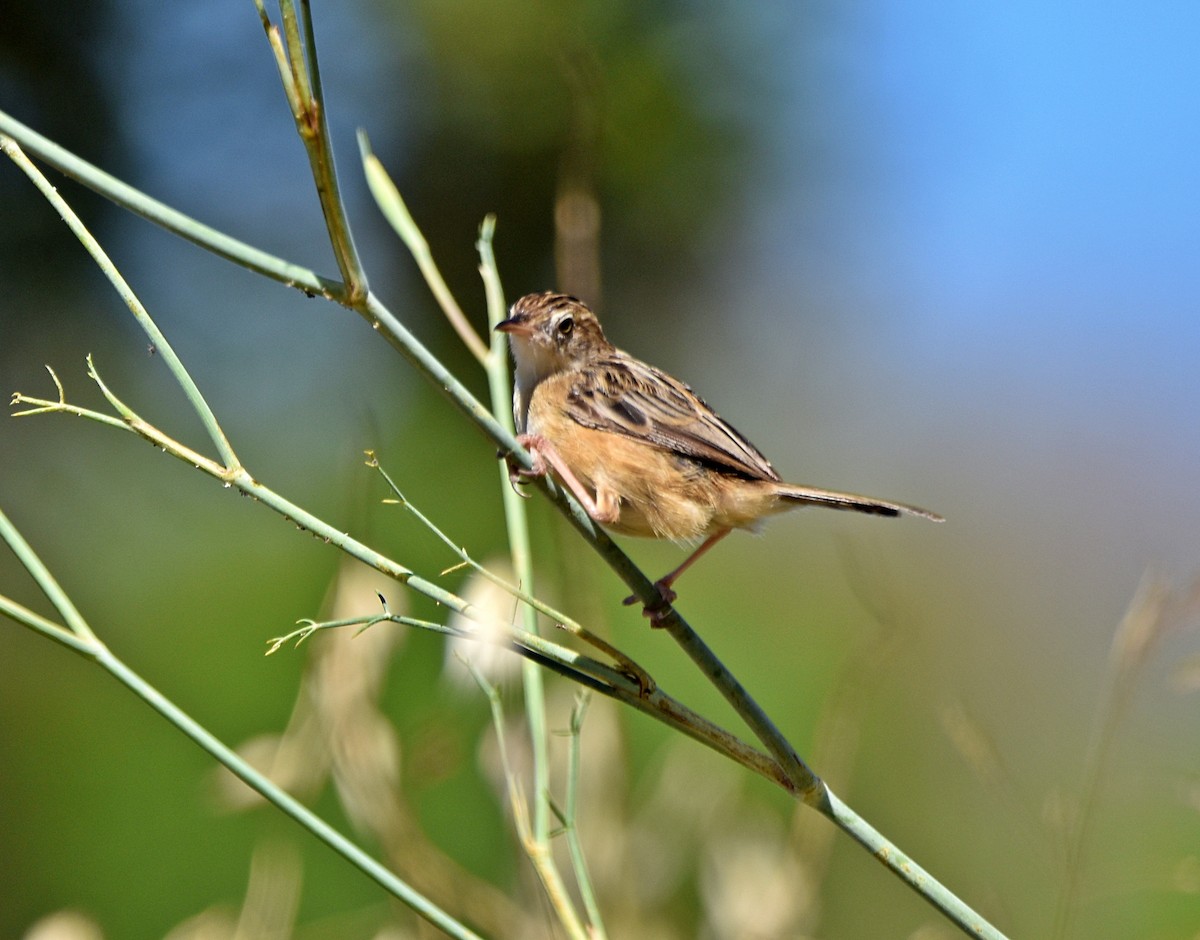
641, 452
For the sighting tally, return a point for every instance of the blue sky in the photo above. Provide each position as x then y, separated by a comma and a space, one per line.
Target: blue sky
1023, 192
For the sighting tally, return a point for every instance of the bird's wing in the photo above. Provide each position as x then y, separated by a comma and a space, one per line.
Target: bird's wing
623, 395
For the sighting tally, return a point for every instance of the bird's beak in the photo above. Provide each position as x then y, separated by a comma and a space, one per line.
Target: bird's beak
515, 326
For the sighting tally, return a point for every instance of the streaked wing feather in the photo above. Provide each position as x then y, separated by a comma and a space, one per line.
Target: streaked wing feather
622, 395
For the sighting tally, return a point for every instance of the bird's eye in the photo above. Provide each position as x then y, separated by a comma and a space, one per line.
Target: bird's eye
566, 325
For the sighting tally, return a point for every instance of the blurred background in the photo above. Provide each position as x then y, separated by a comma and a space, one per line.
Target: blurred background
938, 253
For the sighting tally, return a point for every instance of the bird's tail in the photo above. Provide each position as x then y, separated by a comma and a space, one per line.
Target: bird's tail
834, 500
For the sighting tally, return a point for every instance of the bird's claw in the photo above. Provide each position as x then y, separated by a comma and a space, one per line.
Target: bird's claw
518, 475
658, 611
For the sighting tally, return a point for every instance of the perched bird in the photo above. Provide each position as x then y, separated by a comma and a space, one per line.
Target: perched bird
642, 453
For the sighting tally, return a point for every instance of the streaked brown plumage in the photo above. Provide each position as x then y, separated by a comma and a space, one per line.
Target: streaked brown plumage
639, 449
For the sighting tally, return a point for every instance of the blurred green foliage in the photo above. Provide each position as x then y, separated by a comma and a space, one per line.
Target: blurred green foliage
647, 105
664, 114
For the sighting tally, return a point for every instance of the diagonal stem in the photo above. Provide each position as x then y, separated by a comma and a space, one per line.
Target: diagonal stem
149, 327
152, 210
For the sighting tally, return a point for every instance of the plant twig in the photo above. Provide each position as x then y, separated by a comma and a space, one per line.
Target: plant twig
169, 218
574, 666
296, 59
120, 285
570, 818
392, 205
516, 522
628, 665
537, 848
79, 637
1150, 615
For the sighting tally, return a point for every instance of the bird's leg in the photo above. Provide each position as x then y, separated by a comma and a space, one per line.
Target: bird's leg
517, 474
663, 585
603, 508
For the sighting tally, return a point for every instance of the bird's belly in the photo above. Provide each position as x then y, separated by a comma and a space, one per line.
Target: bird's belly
659, 494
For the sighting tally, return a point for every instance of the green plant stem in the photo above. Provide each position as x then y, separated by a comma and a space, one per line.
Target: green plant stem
570, 819
281, 799
392, 205
296, 59
152, 210
628, 666
903, 867
80, 638
164, 349
39, 624
585, 672
76, 635
517, 526
802, 781
287, 75
538, 850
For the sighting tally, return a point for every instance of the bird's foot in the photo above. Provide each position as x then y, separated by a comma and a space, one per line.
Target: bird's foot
658, 610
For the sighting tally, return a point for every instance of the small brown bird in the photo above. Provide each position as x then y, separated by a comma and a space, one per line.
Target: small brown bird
640, 450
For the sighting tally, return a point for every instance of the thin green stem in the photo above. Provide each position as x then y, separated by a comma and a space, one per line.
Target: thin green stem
49, 586
165, 351
297, 59
82, 640
310, 49
582, 669
281, 799
538, 849
137, 202
77, 635
393, 207
583, 877
286, 76
802, 781
904, 867
390, 202
21, 614
517, 524
47, 406
302, 84
628, 665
